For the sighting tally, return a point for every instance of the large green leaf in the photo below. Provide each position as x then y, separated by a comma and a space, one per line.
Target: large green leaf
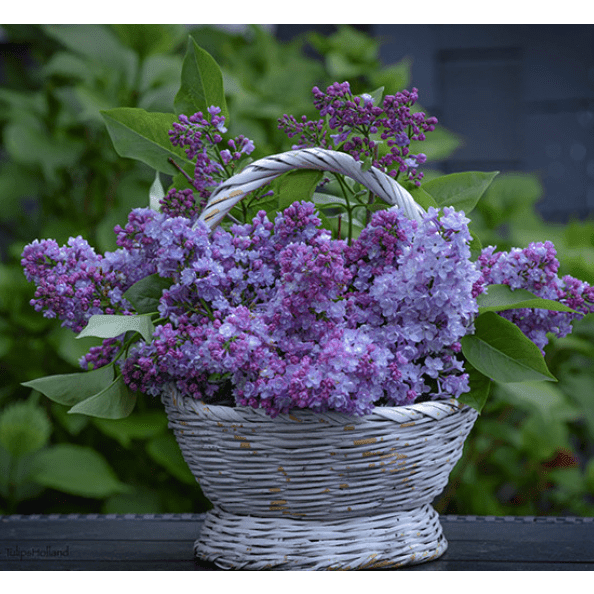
501, 351
72, 388
112, 326
144, 136
480, 388
77, 470
201, 83
114, 402
460, 190
296, 186
145, 294
502, 297
420, 195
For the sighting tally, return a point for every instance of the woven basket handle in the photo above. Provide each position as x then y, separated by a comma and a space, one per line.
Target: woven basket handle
258, 173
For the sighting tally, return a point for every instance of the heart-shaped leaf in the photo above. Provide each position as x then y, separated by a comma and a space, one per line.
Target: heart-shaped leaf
501, 351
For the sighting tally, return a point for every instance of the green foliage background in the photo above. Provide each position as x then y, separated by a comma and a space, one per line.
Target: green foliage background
529, 453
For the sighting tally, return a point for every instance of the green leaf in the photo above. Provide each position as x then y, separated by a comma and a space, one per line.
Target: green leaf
137, 426
201, 83
460, 190
24, 428
114, 402
74, 424
71, 388
480, 388
138, 134
476, 247
165, 451
76, 470
296, 186
145, 294
420, 195
112, 326
377, 95
502, 297
394, 77
501, 351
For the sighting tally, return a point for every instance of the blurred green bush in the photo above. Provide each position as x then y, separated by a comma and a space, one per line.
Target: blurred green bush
60, 176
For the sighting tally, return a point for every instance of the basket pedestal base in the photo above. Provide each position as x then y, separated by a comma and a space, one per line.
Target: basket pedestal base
399, 538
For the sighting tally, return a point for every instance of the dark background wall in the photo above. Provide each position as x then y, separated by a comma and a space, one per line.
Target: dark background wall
521, 97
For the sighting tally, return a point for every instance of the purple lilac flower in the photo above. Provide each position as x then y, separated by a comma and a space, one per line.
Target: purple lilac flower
535, 268
71, 281
414, 288
181, 203
357, 122
280, 316
200, 137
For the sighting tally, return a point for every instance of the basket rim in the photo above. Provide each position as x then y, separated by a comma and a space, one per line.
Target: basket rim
434, 409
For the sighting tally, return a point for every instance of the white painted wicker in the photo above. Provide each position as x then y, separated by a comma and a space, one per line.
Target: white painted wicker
255, 175
320, 491
309, 490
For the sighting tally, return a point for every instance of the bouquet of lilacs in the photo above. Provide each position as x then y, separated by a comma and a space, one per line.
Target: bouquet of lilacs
313, 293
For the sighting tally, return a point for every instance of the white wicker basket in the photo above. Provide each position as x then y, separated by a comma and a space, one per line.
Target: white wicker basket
320, 491
309, 490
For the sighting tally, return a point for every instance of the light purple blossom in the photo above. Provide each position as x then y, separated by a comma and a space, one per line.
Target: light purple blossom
535, 268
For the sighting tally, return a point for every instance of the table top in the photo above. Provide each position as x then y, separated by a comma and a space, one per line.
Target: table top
165, 542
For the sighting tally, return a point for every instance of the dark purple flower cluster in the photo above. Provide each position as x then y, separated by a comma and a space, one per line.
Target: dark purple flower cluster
180, 204
535, 268
360, 127
200, 137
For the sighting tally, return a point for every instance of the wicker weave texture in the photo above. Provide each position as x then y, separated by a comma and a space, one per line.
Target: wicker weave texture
297, 472
368, 542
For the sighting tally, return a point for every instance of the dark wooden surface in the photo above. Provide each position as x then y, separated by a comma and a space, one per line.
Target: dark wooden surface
164, 542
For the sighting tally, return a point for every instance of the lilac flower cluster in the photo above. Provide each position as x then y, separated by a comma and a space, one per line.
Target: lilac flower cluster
535, 268
200, 137
72, 281
275, 313
180, 204
282, 316
359, 126
278, 315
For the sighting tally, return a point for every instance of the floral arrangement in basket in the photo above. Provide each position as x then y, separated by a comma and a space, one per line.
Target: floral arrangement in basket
314, 292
